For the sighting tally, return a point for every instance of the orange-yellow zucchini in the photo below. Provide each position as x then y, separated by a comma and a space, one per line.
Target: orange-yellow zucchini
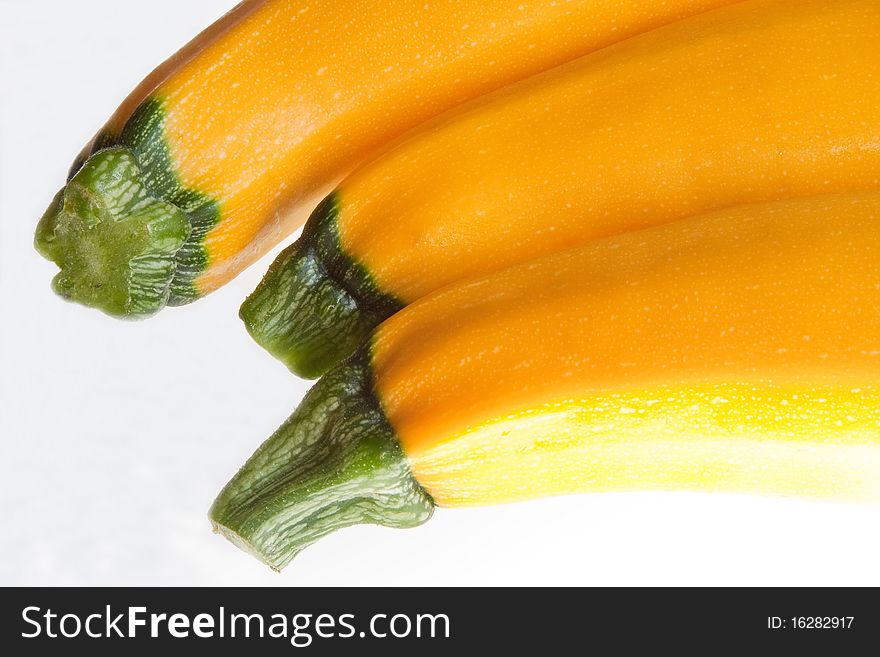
735, 351
226, 148
759, 101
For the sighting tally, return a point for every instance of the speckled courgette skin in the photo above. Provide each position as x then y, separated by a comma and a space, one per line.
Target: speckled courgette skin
86, 233
316, 305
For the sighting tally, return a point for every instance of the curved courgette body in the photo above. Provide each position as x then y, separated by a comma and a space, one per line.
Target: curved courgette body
224, 150
736, 351
760, 101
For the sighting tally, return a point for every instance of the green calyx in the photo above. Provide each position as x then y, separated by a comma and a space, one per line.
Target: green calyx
126, 233
334, 463
114, 242
315, 305
144, 134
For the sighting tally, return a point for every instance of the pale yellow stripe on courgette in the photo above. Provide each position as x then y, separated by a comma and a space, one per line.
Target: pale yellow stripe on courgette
791, 440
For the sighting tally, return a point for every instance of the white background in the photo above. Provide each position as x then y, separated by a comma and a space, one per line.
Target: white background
116, 436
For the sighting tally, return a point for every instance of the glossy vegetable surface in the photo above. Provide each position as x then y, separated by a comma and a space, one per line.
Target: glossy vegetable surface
224, 150
764, 100
735, 351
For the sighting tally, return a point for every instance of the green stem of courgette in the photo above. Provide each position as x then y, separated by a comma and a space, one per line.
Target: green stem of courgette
315, 305
126, 232
335, 463
114, 242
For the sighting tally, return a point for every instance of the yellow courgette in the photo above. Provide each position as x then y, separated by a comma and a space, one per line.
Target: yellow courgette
224, 150
736, 351
760, 101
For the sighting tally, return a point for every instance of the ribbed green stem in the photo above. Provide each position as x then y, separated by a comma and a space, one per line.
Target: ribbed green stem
335, 463
115, 243
127, 235
315, 305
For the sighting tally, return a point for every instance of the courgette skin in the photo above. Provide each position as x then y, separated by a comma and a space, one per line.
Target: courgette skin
249, 126
735, 351
755, 102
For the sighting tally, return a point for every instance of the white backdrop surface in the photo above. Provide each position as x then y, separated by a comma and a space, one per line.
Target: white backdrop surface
115, 436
